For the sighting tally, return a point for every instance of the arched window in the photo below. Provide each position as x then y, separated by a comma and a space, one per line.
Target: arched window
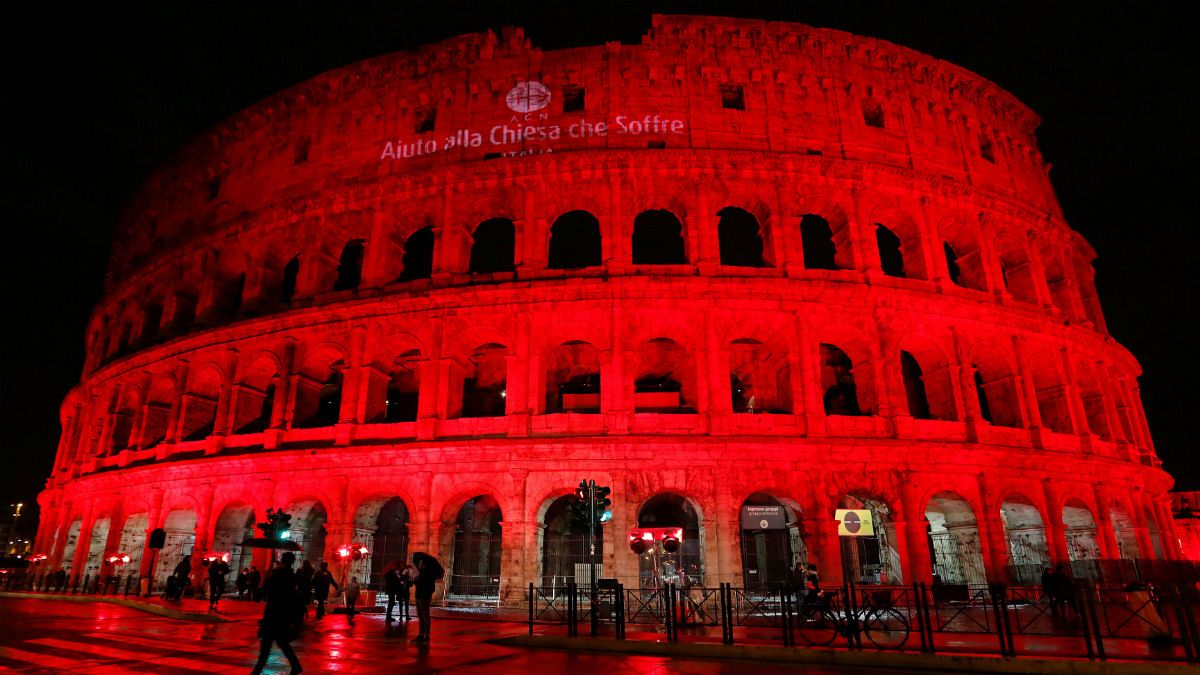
837, 380
477, 549
995, 386
493, 247
953, 537
816, 236
254, 400
914, 387
319, 392
287, 289
485, 390
403, 389
772, 545
952, 264
199, 410
658, 239
759, 378
739, 238
573, 378
574, 241
666, 380
891, 257
349, 271
418, 255
670, 510
566, 546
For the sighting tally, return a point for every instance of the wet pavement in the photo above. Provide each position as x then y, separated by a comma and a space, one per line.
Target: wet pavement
48, 636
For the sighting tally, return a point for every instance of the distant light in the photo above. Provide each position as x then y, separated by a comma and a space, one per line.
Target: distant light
503, 393
286, 534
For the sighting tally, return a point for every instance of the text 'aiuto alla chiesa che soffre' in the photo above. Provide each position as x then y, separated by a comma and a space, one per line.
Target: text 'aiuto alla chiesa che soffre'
415, 300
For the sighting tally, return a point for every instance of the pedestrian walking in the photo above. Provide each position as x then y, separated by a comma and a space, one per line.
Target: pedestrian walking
304, 579
321, 582
254, 584
281, 617
351, 591
218, 571
396, 585
429, 572
179, 578
240, 583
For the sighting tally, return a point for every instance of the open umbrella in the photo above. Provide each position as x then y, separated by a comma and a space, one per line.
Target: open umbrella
430, 564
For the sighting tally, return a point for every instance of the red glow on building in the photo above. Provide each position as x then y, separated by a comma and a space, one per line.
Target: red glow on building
415, 300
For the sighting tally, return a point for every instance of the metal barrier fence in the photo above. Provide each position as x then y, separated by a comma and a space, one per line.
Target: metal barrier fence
1087, 621
84, 584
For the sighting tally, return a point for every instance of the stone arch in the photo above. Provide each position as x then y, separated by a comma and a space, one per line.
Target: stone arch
1025, 535
573, 378
1054, 407
228, 279
871, 559
759, 377
71, 543
900, 244
234, 525
672, 509
575, 241
254, 402
310, 516
996, 386
954, 542
416, 255
476, 553
133, 540
350, 265
1079, 529
928, 380
180, 526
1087, 381
825, 238
96, 543
1058, 280
318, 395
740, 238
199, 415
1016, 270
847, 378
965, 262
1124, 533
659, 239
493, 247
1154, 533
564, 544
666, 377
381, 524
125, 417
484, 373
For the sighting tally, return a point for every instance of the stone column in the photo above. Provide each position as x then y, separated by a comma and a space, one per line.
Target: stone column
1056, 538
992, 533
920, 566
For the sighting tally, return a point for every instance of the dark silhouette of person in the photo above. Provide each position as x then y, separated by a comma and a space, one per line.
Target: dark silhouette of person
218, 571
179, 578
321, 582
281, 617
429, 571
396, 585
254, 584
304, 579
240, 582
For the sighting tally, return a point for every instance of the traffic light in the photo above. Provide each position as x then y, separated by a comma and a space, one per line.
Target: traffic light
602, 504
277, 526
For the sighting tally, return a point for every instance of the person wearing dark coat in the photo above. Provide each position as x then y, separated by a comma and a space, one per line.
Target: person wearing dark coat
304, 579
240, 582
321, 582
281, 615
179, 578
218, 570
429, 571
396, 586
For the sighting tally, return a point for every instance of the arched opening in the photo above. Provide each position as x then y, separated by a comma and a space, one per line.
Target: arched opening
417, 262
349, 270
1079, 528
493, 247
964, 258
655, 568
287, 286
953, 536
199, 414
180, 526
1048, 382
123, 421
740, 238
133, 542
1124, 533
891, 255
255, 397
99, 538
308, 529
1061, 289
759, 378
928, 384
658, 239
666, 380
573, 378
952, 268
156, 417
71, 544
1093, 400
1025, 533
403, 388
477, 537
574, 241
566, 545
382, 526
816, 238
874, 558
996, 389
772, 542
229, 283
234, 525
485, 390
1015, 268
319, 391
843, 394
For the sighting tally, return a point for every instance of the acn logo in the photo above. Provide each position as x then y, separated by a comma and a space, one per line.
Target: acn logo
527, 97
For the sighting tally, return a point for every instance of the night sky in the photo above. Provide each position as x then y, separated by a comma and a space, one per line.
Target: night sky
93, 100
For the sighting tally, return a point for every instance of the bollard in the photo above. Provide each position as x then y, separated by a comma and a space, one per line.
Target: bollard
531, 608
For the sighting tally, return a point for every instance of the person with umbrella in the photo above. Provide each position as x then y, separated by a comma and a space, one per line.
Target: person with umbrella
429, 572
282, 614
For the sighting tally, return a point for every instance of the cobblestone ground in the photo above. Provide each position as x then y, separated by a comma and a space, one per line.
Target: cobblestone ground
44, 636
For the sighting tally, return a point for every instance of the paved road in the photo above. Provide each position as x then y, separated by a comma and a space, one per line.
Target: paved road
40, 636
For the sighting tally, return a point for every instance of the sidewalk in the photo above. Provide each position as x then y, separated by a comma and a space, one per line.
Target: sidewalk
230, 609
846, 658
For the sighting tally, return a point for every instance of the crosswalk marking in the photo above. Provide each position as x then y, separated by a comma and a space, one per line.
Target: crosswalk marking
124, 655
42, 660
194, 646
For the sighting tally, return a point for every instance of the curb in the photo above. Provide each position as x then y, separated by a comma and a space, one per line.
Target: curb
168, 612
830, 657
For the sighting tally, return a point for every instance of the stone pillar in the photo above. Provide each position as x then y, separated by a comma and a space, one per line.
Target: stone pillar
823, 536
516, 554
203, 541
83, 543
725, 524
1056, 538
1026, 389
154, 520
991, 533
1106, 537
920, 566
809, 357
1037, 272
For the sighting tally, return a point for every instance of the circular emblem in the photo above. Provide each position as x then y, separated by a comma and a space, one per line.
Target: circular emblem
763, 523
527, 97
852, 523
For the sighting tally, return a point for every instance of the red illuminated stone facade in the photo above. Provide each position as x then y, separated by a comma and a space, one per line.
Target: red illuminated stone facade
416, 300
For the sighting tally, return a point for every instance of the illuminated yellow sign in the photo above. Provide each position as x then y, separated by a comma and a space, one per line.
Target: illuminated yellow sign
855, 523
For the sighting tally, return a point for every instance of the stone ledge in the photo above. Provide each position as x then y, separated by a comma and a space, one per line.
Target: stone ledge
842, 658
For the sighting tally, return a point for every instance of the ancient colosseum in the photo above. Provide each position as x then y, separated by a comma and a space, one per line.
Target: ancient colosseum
414, 301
